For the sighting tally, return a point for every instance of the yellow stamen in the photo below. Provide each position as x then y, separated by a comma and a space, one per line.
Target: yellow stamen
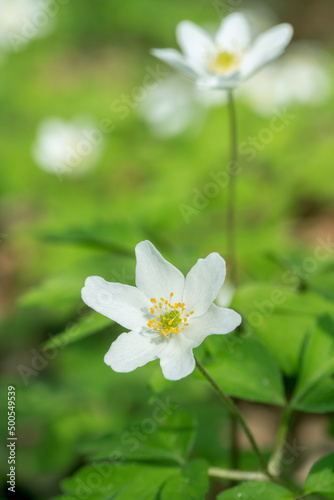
168, 318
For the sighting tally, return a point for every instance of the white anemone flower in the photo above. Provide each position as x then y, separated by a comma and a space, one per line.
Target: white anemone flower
22, 21
227, 59
174, 105
169, 108
167, 314
67, 148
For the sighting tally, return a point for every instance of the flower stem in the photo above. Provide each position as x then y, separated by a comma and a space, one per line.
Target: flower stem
238, 475
234, 410
231, 246
275, 462
234, 451
230, 229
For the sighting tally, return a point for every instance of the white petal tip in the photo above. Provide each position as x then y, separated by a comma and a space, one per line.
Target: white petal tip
89, 288
287, 31
174, 377
238, 319
155, 52
144, 246
111, 361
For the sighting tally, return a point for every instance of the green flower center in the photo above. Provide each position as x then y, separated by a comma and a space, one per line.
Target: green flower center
167, 317
170, 320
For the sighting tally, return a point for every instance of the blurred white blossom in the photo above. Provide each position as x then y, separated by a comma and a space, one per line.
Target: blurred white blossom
174, 105
225, 295
228, 58
301, 77
22, 21
67, 148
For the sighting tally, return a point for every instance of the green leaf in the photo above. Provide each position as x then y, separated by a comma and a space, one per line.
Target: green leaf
87, 325
190, 483
117, 238
165, 436
61, 291
323, 283
247, 370
63, 497
106, 481
256, 490
317, 361
281, 318
318, 399
321, 477
118, 478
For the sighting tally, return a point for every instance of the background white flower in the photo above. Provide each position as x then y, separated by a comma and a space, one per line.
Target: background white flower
168, 315
225, 295
22, 21
301, 77
174, 105
228, 58
67, 148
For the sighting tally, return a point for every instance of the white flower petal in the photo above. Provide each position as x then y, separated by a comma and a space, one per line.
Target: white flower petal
203, 283
175, 59
234, 33
177, 359
216, 321
132, 350
194, 41
124, 304
265, 48
156, 277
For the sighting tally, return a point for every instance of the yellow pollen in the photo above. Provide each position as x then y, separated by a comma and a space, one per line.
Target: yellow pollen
224, 62
167, 317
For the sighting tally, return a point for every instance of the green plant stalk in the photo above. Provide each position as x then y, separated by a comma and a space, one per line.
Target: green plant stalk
275, 462
231, 246
231, 193
234, 451
236, 475
240, 475
235, 411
